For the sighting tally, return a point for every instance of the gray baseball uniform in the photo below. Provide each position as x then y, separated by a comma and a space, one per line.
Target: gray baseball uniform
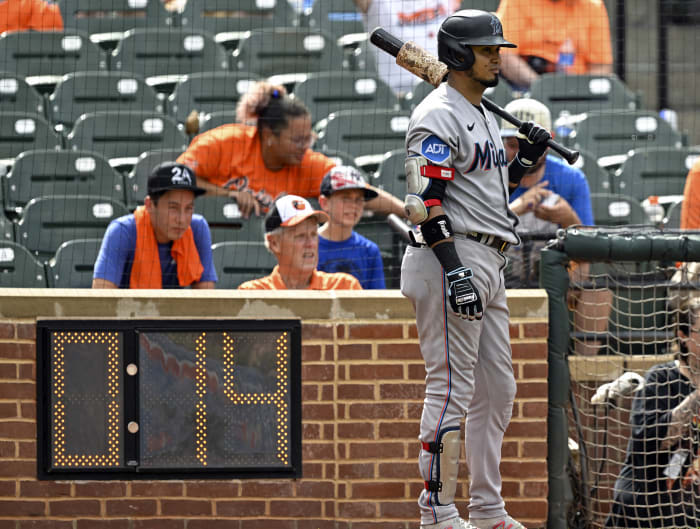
468, 363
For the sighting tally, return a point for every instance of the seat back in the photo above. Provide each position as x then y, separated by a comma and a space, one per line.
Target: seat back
110, 16
73, 264
391, 173
328, 92
21, 131
208, 92
48, 222
17, 95
129, 133
225, 220
582, 93
618, 131
367, 132
33, 53
226, 16
18, 269
337, 17
136, 182
281, 50
174, 51
82, 92
501, 94
657, 171
239, 261
673, 216
216, 119
7, 228
617, 210
46, 173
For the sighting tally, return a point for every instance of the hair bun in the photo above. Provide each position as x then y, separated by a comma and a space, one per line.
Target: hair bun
255, 101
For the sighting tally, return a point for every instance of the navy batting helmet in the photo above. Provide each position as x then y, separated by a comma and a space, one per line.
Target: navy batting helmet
468, 27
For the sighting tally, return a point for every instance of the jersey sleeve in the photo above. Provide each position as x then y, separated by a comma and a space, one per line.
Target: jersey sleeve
117, 246
431, 137
202, 239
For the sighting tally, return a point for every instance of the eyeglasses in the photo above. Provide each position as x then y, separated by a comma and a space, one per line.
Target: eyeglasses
303, 142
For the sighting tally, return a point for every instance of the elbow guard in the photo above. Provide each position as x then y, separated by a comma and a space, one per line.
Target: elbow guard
425, 187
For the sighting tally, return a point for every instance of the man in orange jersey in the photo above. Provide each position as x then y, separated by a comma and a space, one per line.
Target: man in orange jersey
291, 235
20, 15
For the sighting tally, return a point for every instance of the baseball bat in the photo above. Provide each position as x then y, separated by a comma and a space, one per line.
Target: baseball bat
426, 66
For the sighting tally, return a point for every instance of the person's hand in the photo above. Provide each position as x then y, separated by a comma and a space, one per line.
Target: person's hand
463, 294
532, 143
681, 416
531, 198
560, 213
247, 203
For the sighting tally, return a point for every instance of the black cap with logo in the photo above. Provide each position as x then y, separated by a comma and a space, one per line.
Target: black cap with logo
172, 175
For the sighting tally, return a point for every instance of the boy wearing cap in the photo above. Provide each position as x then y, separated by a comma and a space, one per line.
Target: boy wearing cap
291, 235
162, 244
340, 249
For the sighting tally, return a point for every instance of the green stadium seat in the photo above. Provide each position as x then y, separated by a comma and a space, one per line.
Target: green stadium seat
501, 94
208, 92
225, 221
239, 261
391, 173
337, 17
82, 92
18, 269
73, 264
45, 173
21, 131
136, 181
216, 119
327, 92
48, 222
378, 230
672, 221
617, 210
17, 95
7, 228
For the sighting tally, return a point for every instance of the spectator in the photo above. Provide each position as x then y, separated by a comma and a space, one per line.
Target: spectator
340, 248
265, 154
656, 486
162, 244
291, 235
690, 209
37, 15
417, 21
570, 36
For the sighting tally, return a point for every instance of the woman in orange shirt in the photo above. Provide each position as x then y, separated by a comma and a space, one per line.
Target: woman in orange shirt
21, 15
266, 153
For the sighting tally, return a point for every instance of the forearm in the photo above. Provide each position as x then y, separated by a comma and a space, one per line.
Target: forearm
212, 189
204, 285
385, 204
516, 70
103, 283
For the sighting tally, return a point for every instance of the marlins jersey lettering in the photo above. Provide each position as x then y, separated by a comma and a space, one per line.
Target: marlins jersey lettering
451, 132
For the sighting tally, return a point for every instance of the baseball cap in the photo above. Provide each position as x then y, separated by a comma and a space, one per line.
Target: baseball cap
345, 177
526, 110
172, 175
290, 210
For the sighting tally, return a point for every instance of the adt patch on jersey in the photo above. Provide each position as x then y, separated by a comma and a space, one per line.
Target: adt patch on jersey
434, 149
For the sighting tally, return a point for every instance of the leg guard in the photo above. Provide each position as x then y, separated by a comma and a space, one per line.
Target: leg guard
445, 466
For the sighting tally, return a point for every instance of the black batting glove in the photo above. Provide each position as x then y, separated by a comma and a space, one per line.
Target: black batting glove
532, 141
463, 294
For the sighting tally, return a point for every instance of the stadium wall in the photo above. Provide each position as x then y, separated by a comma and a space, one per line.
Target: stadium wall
362, 394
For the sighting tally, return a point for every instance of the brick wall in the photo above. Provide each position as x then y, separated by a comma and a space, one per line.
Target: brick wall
362, 395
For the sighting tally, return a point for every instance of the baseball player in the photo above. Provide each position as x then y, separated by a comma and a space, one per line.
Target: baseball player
458, 184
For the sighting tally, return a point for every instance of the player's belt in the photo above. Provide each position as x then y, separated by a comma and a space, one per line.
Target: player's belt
488, 240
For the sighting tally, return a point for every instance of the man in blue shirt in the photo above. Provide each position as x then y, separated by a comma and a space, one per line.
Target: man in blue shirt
340, 249
163, 244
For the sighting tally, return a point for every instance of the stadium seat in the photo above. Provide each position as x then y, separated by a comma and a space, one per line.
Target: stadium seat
362, 133
617, 210
391, 173
42, 57
225, 220
657, 171
240, 261
276, 51
501, 94
208, 92
17, 95
21, 131
125, 134
165, 56
7, 229
611, 132
18, 269
73, 264
672, 221
227, 20
216, 119
336, 17
328, 92
48, 222
582, 93
136, 181
45, 173
82, 92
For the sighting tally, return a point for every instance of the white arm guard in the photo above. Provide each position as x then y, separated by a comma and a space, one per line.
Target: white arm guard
416, 184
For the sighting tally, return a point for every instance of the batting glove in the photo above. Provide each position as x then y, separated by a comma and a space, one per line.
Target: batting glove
463, 294
532, 141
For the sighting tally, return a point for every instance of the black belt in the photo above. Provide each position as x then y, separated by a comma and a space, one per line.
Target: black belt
488, 240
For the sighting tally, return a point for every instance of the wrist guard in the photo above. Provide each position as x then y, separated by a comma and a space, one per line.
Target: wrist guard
436, 229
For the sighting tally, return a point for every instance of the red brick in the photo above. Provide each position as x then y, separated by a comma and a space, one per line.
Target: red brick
416, 372
8, 370
356, 391
266, 489
509, 449
513, 330
7, 449
399, 430
535, 489
534, 449
398, 351
7, 330
381, 331
414, 410
312, 331
254, 524
406, 510
535, 330
357, 509
379, 450
510, 489
404, 391
531, 390
214, 524
23, 508
375, 371
74, 508
528, 509
534, 409
17, 390
213, 489
311, 353
317, 372
160, 523
377, 490
529, 351
378, 525
26, 331
309, 392
315, 489
43, 524
18, 469
356, 430
518, 428
524, 469
131, 507
311, 431
293, 508
27, 410
17, 351
240, 508
17, 429
312, 470
27, 449
43, 489
27, 371
182, 507
104, 524
317, 412
320, 524
354, 351
8, 410
8, 489
356, 471
317, 451
328, 393
376, 411
399, 470
412, 330
99, 489
535, 370
158, 489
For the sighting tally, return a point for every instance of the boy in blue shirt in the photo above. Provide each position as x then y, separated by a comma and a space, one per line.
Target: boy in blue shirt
340, 249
